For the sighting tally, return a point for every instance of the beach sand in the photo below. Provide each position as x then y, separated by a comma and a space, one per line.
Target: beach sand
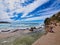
50, 38
10, 34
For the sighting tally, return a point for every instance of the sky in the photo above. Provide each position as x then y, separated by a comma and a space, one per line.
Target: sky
28, 10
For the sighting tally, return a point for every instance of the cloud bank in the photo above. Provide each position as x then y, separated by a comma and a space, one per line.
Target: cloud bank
27, 10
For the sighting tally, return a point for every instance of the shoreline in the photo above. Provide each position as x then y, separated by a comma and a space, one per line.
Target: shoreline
12, 33
21, 35
8, 33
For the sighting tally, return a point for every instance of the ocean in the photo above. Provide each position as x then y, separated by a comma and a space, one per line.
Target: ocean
19, 25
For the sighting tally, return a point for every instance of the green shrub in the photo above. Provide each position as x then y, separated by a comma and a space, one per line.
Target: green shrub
27, 39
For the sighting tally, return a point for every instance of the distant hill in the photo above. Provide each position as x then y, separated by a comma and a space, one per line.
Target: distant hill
52, 19
3, 22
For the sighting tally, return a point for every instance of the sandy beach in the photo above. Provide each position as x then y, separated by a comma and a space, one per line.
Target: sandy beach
16, 33
50, 38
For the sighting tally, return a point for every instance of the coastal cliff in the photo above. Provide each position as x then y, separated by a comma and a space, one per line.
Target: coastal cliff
52, 21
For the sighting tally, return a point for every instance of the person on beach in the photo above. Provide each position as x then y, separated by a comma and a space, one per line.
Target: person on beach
31, 29
51, 29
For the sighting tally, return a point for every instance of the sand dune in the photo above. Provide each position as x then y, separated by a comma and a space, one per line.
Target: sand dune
50, 38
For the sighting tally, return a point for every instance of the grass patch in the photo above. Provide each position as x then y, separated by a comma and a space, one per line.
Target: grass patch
28, 39
25, 40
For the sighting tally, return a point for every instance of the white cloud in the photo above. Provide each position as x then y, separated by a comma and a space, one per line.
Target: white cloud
44, 15
25, 10
28, 8
4, 16
33, 6
36, 18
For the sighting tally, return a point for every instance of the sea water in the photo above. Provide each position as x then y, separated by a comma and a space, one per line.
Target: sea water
18, 25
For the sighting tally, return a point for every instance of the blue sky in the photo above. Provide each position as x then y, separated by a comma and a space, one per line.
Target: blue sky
28, 10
